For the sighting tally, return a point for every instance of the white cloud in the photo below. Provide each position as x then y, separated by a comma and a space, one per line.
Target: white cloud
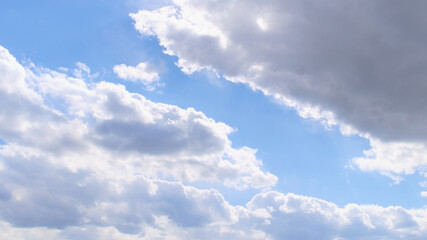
394, 159
37, 192
359, 65
65, 165
143, 72
84, 126
80, 205
297, 217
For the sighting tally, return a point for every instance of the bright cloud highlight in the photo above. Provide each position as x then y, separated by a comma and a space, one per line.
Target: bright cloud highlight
143, 72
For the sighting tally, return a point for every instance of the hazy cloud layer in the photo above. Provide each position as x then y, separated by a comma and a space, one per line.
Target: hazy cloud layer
356, 63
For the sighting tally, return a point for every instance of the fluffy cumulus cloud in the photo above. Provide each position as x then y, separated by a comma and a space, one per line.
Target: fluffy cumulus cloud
143, 72
102, 122
297, 217
56, 203
354, 63
87, 160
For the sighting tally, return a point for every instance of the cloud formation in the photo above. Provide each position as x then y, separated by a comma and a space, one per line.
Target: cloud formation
353, 63
56, 203
101, 122
144, 73
67, 172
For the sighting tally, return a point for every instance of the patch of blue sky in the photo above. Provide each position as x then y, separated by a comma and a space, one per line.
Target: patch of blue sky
308, 159
61, 33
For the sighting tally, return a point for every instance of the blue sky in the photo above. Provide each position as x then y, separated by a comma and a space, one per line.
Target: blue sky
308, 157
